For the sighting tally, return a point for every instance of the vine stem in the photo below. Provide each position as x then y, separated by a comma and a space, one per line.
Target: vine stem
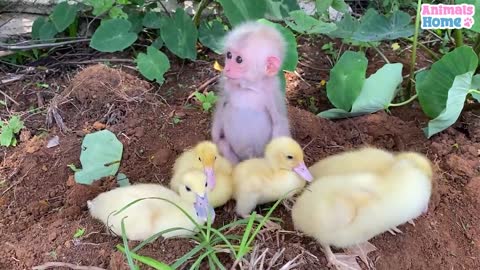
458, 36
380, 53
412, 98
414, 48
196, 18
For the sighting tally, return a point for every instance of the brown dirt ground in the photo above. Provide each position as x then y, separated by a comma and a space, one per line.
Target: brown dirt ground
41, 207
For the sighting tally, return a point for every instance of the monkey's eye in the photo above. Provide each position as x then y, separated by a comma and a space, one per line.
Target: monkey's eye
239, 59
290, 157
229, 55
187, 188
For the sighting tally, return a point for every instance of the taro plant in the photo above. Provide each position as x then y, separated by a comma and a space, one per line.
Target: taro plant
9, 131
207, 100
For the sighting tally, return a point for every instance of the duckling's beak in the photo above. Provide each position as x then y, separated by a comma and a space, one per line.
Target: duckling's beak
210, 177
303, 171
203, 208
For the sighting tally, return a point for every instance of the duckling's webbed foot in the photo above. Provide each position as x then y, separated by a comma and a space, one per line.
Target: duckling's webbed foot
341, 261
394, 231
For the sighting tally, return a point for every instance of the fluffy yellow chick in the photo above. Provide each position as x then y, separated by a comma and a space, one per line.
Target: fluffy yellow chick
346, 210
151, 216
218, 170
263, 180
366, 158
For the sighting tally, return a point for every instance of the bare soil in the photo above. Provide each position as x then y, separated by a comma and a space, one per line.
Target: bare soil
41, 207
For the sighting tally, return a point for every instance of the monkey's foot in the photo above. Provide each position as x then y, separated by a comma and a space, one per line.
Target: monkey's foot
394, 231
341, 261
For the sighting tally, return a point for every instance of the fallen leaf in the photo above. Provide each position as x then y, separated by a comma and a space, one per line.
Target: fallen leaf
98, 126
217, 66
53, 142
322, 82
70, 181
395, 46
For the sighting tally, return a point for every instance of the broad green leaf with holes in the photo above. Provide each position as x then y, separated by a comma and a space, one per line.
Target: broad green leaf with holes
153, 64
152, 20
476, 14
454, 105
241, 11
377, 93
100, 6
180, 34
211, 34
63, 15
113, 35
346, 79
291, 57
302, 23
100, 157
280, 9
433, 85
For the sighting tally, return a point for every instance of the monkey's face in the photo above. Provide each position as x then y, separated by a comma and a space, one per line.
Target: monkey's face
236, 65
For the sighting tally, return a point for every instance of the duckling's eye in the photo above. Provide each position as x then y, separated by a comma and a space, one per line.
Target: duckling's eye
188, 188
200, 159
206, 184
290, 157
215, 157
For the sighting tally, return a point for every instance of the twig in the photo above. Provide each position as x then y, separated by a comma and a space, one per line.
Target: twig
10, 98
62, 264
164, 8
12, 79
16, 47
16, 182
203, 86
379, 52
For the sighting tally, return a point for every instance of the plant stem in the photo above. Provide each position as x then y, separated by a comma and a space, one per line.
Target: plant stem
164, 8
476, 46
458, 36
379, 52
414, 49
196, 18
412, 98
16, 47
430, 52
474, 91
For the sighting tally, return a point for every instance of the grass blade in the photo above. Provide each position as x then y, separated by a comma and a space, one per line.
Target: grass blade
188, 255
125, 244
147, 260
155, 236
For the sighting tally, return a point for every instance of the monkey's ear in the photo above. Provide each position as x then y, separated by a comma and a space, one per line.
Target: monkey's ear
273, 65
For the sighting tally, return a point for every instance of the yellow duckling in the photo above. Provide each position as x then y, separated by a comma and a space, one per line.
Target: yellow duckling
218, 170
347, 210
263, 180
148, 217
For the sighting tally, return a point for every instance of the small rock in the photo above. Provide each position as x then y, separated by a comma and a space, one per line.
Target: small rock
44, 168
52, 236
68, 244
71, 181
98, 126
25, 135
139, 132
161, 157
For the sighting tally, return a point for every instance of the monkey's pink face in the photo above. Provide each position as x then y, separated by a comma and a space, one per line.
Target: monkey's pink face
235, 66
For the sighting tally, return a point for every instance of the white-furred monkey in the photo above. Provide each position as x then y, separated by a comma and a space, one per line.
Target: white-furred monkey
251, 109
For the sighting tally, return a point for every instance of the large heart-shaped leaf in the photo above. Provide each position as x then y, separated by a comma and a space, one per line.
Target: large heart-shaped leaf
346, 79
279, 9
152, 20
101, 155
291, 57
476, 14
245, 10
63, 15
211, 34
300, 22
136, 19
113, 35
180, 34
346, 27
43, 29
377, 93
433, 87
153, 64
476, 86
454, 105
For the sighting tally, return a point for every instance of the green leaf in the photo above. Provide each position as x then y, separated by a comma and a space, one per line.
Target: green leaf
152, 20
63, 15
201, 97
454, 105
476, 86
180, 34
79, 233
279, 9
283, 82
47, 31
37, 24
377, 93
15, 124
100, 157
346, 27
113, 35
433, 87
136, 19
157, 43
300, 22
340, 5
476, 15
73, 167
117, 13
153, 64
211, 34
322, 5
346, 79
6, 136
122, 180
100, 6
241, 11
291, 57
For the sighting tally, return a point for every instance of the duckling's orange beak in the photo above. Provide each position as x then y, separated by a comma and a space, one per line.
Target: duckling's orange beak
211, 182
303, 171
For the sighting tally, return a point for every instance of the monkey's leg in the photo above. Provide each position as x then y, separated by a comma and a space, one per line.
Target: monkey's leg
227, 151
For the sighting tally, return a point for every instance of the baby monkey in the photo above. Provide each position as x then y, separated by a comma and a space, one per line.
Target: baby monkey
251, 109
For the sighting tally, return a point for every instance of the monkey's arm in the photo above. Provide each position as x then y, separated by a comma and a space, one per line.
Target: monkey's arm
278, 113
217, 122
